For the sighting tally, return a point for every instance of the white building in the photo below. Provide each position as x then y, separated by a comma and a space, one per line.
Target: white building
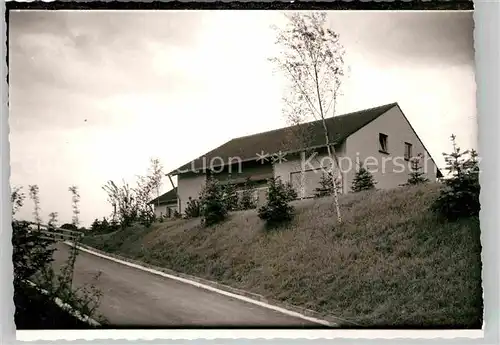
381, 138
166, 204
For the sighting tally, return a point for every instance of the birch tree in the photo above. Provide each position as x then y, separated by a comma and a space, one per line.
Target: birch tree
17, 198
155, 176
311, 58
75, 198
34, 193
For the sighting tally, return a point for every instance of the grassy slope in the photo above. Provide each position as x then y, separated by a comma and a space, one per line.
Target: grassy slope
391, 263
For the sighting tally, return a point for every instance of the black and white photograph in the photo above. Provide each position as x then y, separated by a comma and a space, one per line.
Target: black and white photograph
232, 169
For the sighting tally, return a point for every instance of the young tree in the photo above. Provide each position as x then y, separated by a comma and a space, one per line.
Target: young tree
144, 193
460, 197
417, 176
68, 271
17, 198
327, 185
123, 199
75, 198
290, 192
53, 219
104, 224
277, 208
147, 187
192, 208
155, 176
96, 225
133, 204
213, 207
363, 180
32, 252
32, 255
247, 200
34, 195
312, 59
230, 195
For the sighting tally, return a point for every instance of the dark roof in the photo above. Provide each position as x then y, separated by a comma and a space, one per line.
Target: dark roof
287, 139
168, 197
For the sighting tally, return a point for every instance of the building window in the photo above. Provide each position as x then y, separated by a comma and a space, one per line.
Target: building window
382, 139
408, 151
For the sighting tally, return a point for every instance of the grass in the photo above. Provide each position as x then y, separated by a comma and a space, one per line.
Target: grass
391, 263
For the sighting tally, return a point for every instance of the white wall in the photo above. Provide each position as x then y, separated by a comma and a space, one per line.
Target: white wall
259, 195
162, 209
282, 170
189, 185
290, 171
391, 169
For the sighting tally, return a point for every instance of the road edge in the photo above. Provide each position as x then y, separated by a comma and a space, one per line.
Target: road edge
299, 312
67, 307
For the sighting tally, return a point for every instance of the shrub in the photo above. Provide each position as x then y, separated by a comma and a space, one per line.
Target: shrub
31, 252
213, 206
96, 225
192, 208
363, 180
52, 220
69, 226
17, 198
230, 197
32, 257
104, 226
247, 201
133, 204
290, 192
460, 197
277, 208
326, 185
417, 176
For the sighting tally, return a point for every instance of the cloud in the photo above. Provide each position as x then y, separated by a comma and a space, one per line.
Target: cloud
71, 62
409, 37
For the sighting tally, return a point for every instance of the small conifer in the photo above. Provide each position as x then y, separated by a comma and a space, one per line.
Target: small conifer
363, 180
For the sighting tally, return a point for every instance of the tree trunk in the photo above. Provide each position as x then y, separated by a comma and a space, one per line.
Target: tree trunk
335, 194
331, 154
302, 176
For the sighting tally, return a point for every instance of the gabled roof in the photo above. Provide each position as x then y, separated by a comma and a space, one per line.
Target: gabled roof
168, 197
286, 139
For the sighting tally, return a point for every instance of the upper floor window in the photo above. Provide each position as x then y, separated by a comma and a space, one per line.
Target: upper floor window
408, 151
382, 139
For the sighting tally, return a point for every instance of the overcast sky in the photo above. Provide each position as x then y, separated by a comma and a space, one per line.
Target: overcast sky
94, 94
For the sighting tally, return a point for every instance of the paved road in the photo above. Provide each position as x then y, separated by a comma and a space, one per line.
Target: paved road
132, 297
